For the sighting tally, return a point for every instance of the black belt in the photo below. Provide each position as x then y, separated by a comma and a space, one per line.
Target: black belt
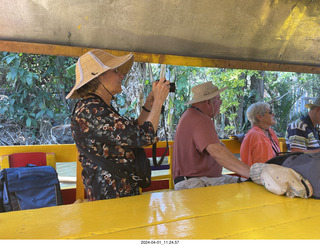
181, 178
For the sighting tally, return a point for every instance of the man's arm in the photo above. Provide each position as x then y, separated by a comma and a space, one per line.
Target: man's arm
226, 159
304, 151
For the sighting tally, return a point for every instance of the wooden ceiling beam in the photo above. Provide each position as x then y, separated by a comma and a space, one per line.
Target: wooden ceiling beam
61, 50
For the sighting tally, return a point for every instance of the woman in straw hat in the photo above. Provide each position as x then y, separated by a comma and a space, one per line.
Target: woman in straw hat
99, 128
260, 143
302, 134
199, 156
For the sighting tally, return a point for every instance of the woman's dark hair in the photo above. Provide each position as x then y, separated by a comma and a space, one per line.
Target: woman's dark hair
88, 88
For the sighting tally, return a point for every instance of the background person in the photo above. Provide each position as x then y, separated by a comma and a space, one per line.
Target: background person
302, 135
198, 154
261, 142
100, 129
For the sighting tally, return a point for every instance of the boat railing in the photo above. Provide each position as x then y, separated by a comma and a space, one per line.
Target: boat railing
68, 153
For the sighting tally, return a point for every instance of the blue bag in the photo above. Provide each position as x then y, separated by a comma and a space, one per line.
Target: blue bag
28, 188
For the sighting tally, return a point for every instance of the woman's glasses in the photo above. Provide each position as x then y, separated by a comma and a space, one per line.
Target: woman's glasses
270, 112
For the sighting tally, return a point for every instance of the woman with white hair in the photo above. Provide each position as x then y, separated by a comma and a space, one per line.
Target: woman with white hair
261, 142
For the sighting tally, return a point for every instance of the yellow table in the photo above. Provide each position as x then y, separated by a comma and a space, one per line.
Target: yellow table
235, 211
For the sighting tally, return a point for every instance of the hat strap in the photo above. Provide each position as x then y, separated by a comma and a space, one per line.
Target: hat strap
112, 97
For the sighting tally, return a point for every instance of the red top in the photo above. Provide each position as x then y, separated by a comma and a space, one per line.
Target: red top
257, 147
194, 133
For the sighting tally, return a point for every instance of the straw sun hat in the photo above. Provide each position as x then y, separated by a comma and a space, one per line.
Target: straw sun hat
204, 91
95, 62
316, 103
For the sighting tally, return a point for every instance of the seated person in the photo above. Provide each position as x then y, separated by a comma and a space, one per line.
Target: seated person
301, 134
198, 154
260, 143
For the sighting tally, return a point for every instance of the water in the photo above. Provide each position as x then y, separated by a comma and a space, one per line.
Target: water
67, 169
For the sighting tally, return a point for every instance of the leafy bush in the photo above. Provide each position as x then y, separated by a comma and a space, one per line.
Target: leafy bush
36, 86
33, 90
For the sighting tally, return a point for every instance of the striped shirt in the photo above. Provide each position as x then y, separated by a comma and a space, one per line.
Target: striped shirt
300, 134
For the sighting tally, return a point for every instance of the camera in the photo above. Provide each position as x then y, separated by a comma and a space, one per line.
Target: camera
172, 88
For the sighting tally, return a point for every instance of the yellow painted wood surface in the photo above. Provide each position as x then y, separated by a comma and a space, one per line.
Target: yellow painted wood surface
232, 145
76, 51
63, 153
50, 158
235, 211
68, 153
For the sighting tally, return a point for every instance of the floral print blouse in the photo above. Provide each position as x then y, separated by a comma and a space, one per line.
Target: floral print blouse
100, 129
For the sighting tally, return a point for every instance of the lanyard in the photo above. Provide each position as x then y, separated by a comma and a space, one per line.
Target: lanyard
273, 144
196, 108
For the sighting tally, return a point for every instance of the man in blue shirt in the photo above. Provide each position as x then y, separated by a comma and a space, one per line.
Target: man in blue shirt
302, 134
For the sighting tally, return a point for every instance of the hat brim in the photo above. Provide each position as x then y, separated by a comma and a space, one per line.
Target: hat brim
311, 105
123, 63
207, 97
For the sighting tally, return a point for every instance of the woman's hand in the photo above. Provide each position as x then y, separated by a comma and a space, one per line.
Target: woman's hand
158, 87
159, 93
160, 90
154, 102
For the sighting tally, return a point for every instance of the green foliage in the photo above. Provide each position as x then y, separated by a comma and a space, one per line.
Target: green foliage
283, 90
35, 85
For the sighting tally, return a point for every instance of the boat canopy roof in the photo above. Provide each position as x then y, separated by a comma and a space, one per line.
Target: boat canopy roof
280, 35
